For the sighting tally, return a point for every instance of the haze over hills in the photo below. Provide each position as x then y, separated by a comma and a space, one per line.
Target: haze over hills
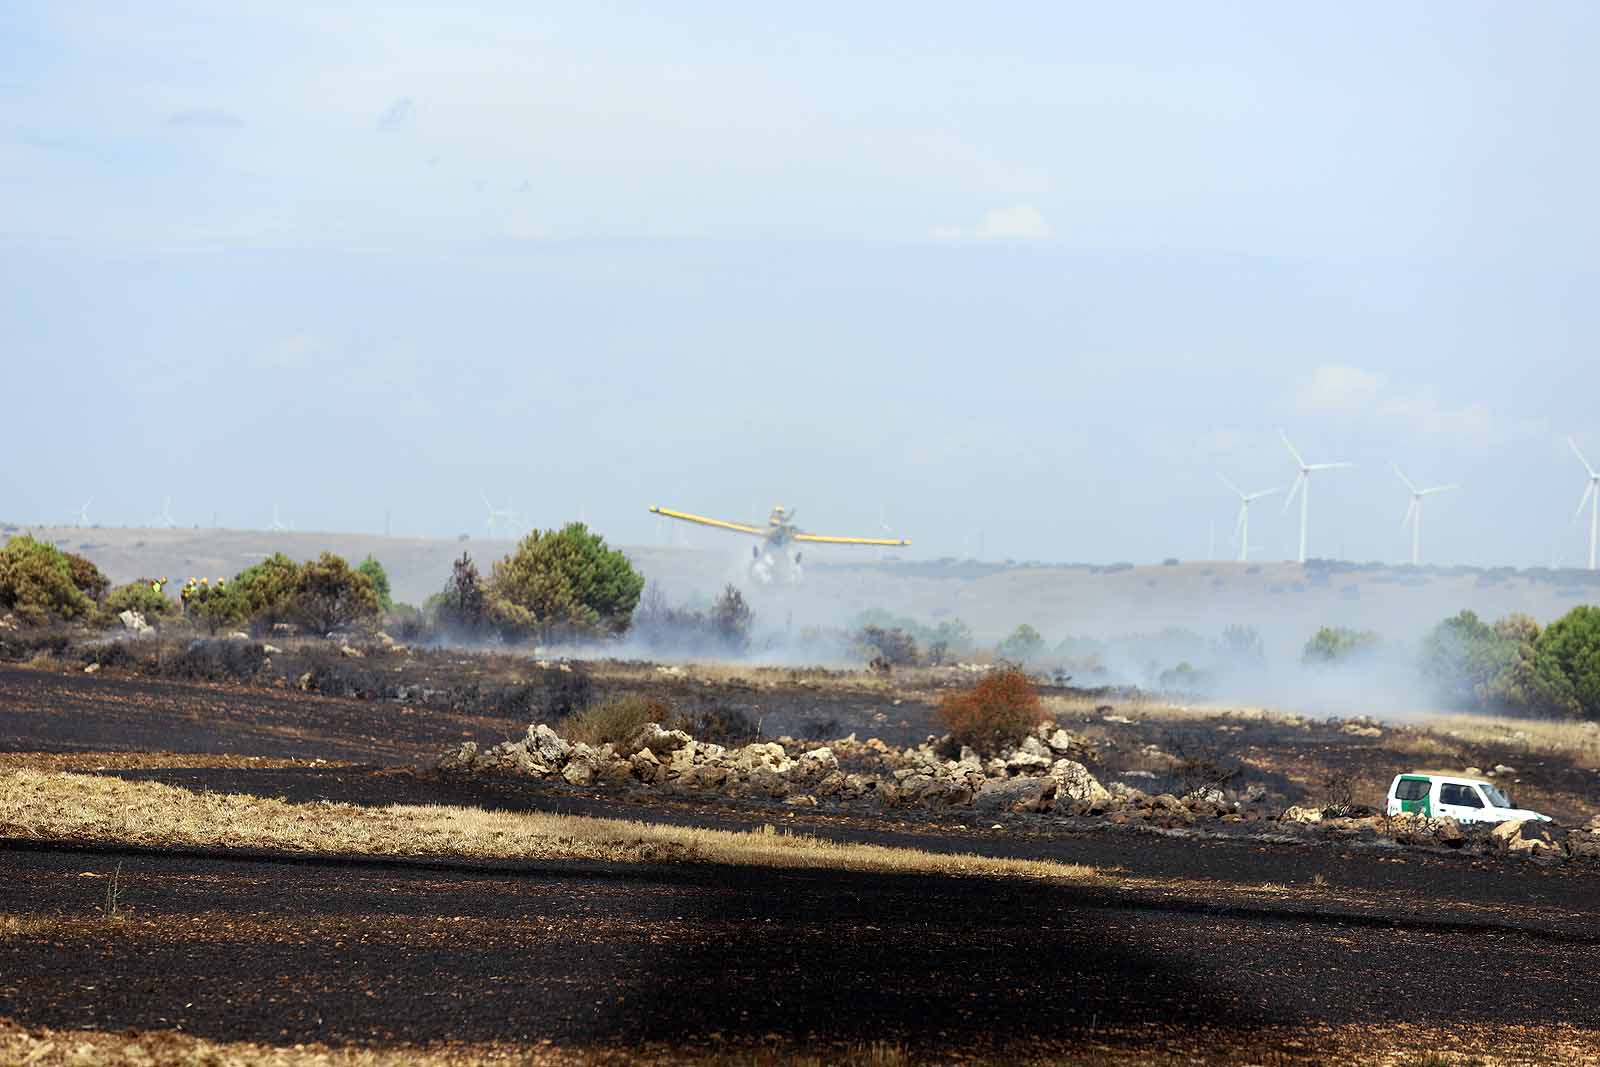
1284, 601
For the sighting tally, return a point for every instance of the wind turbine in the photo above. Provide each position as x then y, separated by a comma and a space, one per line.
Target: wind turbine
83, 512
1302, 485
1414, 512
1591, 496
1241, 528
277, 523
497, 516
166, 514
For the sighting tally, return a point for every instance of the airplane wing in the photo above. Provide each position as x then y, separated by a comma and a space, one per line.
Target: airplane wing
822, 539
736, 527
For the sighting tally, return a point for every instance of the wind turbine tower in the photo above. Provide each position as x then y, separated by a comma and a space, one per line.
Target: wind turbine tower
1302, 485
83, 512
1414, 512
1591, 496
277, 523
1241, 528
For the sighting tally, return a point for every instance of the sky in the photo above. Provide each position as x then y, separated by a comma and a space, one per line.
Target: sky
1017, 282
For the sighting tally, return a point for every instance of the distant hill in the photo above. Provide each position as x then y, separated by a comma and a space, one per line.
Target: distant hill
1284, 601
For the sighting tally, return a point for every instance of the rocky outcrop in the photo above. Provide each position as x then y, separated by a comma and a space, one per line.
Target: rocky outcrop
1541, 842
135, 623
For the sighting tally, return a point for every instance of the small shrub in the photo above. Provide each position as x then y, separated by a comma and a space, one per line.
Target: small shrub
893, 646
216, 661
999, 710
1337, 644
566, 692
719, 724
614, 721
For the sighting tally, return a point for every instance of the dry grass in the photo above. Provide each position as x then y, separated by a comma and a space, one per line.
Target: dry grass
1376, 1046
86, 808
1577, 741
26, 925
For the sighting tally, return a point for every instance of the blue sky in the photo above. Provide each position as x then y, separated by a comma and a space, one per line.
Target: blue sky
1028, 277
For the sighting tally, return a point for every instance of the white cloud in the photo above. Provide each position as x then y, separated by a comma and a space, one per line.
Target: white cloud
1354, 392
1021, 222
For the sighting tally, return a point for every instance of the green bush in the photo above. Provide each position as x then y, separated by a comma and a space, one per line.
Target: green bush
36, 583
380, 581
1337, 644
614, 721
562, 583
87, 577
329, 595
1567, 662
1022, 645
1517, 686
139, 596
266, 590
214, 607
892, 646
461, 606
1463, 656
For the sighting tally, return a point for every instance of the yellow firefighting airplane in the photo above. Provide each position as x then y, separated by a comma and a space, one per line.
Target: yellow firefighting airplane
780, 532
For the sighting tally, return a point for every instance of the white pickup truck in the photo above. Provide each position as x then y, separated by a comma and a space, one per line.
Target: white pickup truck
1461, 799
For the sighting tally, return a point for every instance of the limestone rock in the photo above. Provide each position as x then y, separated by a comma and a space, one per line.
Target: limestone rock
458, 759
1016, 794
134, 623
647, 767
1025, 762
547, 746
1541, 842
1304, 816
1075, 783
831, 784
657, 739
349, 652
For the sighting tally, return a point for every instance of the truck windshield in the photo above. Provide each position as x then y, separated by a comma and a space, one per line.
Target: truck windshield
1496, 798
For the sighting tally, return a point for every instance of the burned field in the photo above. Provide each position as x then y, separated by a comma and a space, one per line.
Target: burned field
1149, 938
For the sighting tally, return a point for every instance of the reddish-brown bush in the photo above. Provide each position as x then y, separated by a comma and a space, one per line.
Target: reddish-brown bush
1001, 709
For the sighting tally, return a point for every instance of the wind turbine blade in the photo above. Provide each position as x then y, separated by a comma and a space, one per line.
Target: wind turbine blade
1411, 511
1257, 495
1436, 489
1403, 477
1236, 490
1298, 483
1584, 499
1238, 524
1585, 462
1290, 447
1327, 466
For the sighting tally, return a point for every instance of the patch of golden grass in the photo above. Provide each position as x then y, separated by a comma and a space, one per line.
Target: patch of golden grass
86, 808
25, 925
1387, 1045
1578, 741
